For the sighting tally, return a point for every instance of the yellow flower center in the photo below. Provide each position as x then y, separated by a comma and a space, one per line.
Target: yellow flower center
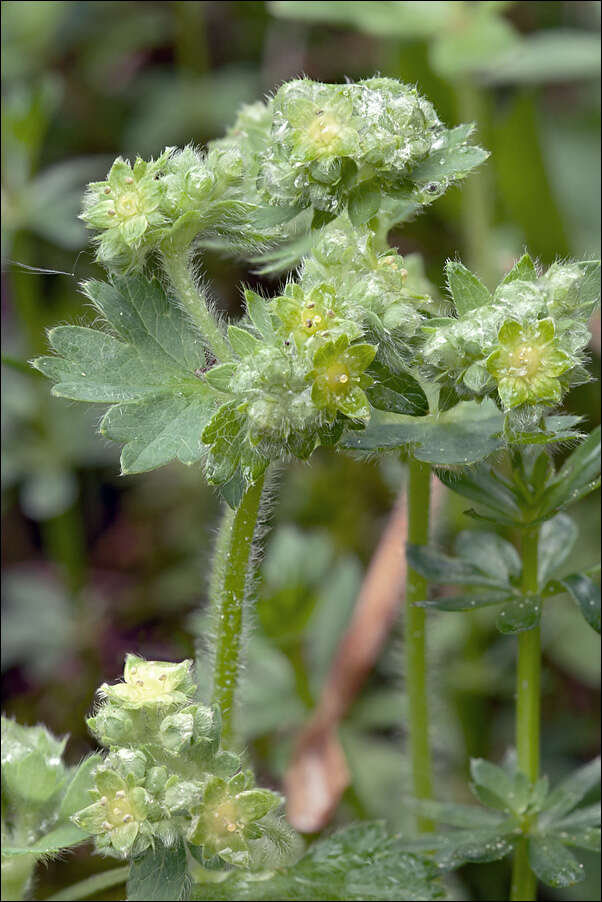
324, 132
128, 204
118, 810
312, 321
525, 360
337, 378
147, 687
224, 818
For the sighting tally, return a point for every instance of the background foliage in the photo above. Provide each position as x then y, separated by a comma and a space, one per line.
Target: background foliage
95, 566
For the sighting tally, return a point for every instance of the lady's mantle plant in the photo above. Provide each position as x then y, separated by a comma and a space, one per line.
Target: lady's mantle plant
354, 350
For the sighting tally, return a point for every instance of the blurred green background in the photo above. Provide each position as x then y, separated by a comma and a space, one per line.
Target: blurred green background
95, 565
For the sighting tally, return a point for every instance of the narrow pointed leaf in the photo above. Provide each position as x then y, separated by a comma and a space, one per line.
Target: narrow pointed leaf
578, 476
587, 595
556, 542
464, 435
470, 816
466, 602
571, 791
553, 863
62, 837
440, 568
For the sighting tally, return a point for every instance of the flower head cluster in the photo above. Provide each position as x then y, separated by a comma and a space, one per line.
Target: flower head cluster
329, 147
329, 139
526, 342
168, 202
301, 370
386, 293
158, 782
309, 358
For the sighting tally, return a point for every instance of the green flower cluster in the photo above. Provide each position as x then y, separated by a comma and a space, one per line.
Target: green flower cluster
299, 376
126, 210
387, 294
526, 342
165, 778
167, 203
332, 146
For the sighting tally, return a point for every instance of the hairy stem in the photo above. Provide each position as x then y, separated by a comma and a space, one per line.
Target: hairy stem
415, 640
92, 885
177, 267
527, 715
233, 564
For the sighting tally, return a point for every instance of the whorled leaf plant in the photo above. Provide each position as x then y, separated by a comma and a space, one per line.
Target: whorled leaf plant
355, 351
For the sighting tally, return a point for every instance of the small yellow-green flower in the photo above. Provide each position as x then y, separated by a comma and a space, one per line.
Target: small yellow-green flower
125, 209
225, 821
527, 363
314, 313
338, 378
118, 817
319, 121
151, 684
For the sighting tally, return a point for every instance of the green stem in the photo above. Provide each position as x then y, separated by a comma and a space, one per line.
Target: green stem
229, 601
527, 715
92, 885
415, 643
192, 51
477, 193
65, 541
176, 264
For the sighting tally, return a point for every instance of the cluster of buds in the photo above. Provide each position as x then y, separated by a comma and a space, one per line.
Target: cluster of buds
165, 778
525, 343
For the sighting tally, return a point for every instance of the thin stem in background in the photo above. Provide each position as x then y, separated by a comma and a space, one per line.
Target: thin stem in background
419, 483
92, 885
477, 193
64, 540
233, 560
527, 715
177, 267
